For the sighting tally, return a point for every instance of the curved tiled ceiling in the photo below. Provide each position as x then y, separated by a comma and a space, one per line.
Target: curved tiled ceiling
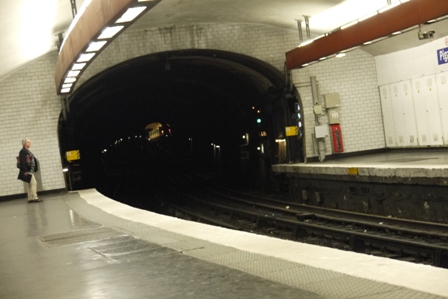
29, 28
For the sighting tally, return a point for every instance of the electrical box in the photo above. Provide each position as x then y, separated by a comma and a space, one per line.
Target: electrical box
317, 109
332, 100
321, 131
334, 117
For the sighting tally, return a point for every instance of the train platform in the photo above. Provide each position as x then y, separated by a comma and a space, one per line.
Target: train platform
422, 166
85, 245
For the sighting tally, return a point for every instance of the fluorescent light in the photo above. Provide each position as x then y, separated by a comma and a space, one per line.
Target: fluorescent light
78, 66
65, 90
340, 55
322, 58
109, 32
349, 24
368, 43
320, 36
403, 1
81, 11
67, 85
131, 14
396, 33
96, 46
85, 57
389, 7
69, 80
378, 39
367, 16
306, 43
73, 73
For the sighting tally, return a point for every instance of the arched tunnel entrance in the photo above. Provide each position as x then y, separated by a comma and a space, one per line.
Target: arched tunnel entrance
215, 102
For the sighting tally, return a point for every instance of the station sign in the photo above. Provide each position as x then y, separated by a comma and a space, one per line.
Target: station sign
442, 56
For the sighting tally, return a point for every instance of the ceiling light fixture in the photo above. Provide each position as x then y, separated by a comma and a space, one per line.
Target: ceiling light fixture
88, 35
96, 46
349, 24
367, 16
400, 16
386, 8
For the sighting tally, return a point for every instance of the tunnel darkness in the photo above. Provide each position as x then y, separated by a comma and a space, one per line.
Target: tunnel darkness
205, 95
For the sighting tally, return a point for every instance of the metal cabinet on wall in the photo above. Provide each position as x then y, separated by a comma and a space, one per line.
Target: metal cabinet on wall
442, 94
404, 115
388, 116
419, 111
427, 111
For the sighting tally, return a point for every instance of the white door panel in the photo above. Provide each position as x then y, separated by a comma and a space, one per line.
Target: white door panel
388, 116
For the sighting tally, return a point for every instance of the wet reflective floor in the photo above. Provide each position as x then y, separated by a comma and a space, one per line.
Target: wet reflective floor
47, 250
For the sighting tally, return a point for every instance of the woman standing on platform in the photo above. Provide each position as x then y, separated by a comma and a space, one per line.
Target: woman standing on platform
28, 165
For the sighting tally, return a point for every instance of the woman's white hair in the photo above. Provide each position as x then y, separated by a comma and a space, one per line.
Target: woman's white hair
24, 140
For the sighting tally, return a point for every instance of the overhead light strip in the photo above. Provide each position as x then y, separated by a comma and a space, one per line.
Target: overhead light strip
88, 35
404, 16
363, 18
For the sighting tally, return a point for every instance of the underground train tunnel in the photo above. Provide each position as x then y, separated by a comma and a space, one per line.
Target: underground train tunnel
225, 112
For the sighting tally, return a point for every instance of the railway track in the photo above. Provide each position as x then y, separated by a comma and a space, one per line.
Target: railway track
413, 241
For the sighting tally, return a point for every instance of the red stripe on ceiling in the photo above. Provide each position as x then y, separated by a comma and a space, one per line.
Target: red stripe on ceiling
404, 16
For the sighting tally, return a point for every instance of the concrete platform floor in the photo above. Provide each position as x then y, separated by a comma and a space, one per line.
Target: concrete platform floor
49, 251
399, 163
84, 245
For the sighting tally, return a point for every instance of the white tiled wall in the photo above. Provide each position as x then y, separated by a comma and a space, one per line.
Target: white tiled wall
266, 43
354, 78
419, 120
30, 108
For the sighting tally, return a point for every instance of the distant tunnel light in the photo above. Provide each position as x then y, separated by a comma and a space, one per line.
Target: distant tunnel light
131, 14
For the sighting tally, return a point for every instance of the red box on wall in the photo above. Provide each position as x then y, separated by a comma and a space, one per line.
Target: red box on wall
336, 135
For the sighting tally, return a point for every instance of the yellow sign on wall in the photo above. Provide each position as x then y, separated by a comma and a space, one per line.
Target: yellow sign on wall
292, 131
73, 155
352, 171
